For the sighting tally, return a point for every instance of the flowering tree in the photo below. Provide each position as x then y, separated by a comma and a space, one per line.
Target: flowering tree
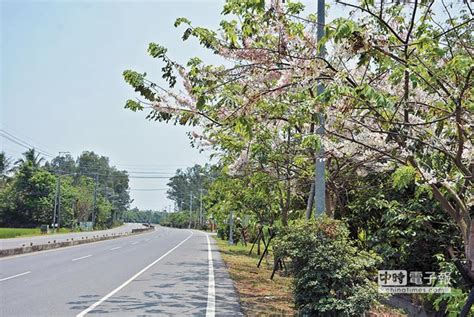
398, 94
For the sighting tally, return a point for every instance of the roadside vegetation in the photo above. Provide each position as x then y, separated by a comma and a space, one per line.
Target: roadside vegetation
261, 296
18, 232
188, 188
393, 122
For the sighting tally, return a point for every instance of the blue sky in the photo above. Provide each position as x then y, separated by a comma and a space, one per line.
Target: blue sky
62, 87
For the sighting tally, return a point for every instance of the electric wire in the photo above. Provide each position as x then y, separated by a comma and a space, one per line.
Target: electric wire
23, 143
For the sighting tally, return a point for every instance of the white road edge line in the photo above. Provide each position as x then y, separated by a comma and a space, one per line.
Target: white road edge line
82, 257
103, 299
13, 276
115, 248
211, 290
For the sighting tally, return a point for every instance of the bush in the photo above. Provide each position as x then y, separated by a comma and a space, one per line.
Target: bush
331, 276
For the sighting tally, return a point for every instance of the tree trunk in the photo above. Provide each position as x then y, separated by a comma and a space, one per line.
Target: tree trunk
463, 221
309, 204
258, 245
330, 202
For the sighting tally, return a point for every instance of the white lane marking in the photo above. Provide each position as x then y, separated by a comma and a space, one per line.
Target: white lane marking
147, 240
13, 276
135, 242
82, 257
115, 248
103, 299
211, 290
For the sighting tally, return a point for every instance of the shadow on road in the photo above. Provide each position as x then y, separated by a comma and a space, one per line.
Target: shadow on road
179, 288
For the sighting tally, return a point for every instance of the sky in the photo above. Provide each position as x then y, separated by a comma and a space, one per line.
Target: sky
62, 89
62, 86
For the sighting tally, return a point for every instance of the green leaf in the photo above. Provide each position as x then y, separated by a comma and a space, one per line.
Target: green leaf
180, 21
403, 177
156, 51
312, 142
133, 105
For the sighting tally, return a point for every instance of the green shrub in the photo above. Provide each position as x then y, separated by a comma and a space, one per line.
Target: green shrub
331, 276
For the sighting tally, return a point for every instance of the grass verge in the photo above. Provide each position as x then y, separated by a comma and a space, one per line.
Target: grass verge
259, 296
18, 232
7, 233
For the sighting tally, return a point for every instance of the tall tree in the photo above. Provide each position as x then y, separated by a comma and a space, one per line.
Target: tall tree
187, 185
399, 87
31, 157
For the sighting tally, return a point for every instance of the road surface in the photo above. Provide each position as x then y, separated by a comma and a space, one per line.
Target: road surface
62, 237
167, 272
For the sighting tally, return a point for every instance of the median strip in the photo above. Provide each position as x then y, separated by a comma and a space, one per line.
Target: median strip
82, 257
56, 245
13, 276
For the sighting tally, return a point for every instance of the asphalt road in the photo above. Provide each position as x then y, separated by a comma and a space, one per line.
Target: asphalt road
167, 272
62, 237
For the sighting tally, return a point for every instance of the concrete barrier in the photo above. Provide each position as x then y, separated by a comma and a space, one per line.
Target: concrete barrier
143, 229
55, 245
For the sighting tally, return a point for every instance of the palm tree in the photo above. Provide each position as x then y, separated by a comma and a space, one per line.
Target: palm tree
5, 168
4, 163
31, 157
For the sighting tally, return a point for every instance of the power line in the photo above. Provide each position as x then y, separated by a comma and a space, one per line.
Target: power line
153, 166
25, 146
148, 189
5, 134
117, 176
151, 173
22, 143
151, 177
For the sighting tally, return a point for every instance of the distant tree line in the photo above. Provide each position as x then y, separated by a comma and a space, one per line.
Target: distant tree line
143, 216
188, 190
86, 188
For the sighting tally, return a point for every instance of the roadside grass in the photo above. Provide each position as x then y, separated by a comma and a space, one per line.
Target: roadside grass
7, 233
259, 296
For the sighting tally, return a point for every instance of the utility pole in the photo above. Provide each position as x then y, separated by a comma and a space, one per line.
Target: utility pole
190, 208
94, 205
319, 171
231, 228
59, 201
200, 208
74, 208
56, 200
